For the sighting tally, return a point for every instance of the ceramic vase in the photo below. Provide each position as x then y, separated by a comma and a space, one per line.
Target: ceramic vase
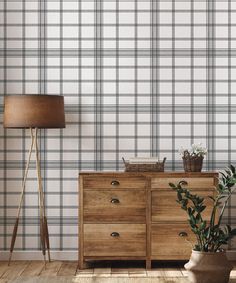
207, 267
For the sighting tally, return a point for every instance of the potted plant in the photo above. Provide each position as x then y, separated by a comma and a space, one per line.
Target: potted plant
193, 157
208, 262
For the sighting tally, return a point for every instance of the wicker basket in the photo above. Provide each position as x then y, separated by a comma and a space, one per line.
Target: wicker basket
192, 163
145, 167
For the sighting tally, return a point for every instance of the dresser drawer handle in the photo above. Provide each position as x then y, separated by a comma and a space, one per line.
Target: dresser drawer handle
115, 183
183, 234
115, 200
115, 234
183, 183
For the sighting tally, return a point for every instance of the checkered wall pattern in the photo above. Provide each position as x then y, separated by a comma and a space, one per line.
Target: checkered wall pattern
140, 77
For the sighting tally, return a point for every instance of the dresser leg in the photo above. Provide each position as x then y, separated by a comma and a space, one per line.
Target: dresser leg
84, 265
81, 264
148, 264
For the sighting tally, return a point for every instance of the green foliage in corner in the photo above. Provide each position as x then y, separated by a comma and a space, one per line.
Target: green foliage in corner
210, 234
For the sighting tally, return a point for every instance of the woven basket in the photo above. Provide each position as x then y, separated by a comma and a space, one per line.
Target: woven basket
192, 163
145, 167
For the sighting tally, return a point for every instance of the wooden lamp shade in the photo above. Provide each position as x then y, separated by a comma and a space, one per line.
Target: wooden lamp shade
34, 111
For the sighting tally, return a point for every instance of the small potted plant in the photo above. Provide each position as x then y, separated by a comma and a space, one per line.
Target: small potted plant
208, 262
193, 157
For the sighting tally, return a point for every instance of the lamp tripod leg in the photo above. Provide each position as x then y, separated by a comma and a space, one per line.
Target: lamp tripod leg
13, 239
43, 219
14, 234
47, 237
42, 237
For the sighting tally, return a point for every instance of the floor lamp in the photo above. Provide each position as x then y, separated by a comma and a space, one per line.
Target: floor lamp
34, 112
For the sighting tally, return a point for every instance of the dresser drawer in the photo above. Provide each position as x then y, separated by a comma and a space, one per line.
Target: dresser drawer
165, 207
114, 182
169, 241
195, 183
114, 240
115, 206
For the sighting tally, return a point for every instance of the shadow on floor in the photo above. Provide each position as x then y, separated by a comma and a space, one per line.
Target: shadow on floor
135, 264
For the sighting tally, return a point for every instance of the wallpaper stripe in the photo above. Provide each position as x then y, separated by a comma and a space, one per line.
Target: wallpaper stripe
229, 107
4, 183
210, 83
117, 79
173, 84
139, 77
154, 85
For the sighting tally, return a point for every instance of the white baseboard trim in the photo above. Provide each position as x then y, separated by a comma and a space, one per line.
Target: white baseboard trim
62, 255
37, 255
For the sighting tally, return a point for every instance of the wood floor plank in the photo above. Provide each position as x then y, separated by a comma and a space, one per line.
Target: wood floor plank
137, 272
184, 272
15, 269
119, 270
120, 275
51, 269
58, 269
114, 280
176, 280
33, 269
102, 280
155, 273
68, 268
83, 275
85, 271
3, 267
172, 272
106, 270
84, 280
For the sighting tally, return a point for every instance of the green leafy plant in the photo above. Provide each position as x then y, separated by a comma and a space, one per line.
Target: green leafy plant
210, 234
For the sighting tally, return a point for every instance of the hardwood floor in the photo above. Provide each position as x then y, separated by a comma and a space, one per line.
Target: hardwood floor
168, 272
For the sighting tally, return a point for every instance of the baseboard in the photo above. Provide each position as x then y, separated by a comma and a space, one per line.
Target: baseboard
62, 255
37, 255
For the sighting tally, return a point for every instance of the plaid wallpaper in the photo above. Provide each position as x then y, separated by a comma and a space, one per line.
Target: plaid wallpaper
140, 77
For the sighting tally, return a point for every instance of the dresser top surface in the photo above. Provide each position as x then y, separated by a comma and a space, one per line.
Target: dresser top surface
150, 174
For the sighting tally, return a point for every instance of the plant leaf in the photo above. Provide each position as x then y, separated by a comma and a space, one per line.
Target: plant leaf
172, 185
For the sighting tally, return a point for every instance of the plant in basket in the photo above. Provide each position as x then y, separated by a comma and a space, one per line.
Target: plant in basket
193, 157
208, 262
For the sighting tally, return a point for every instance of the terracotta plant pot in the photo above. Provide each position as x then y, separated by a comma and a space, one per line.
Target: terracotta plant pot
204, 267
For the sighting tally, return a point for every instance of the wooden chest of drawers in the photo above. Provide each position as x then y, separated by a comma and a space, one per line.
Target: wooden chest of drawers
135, 215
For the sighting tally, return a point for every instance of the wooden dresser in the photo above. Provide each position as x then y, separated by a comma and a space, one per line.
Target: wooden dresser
135, 215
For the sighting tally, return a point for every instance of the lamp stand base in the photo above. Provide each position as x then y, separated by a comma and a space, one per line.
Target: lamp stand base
44, 236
